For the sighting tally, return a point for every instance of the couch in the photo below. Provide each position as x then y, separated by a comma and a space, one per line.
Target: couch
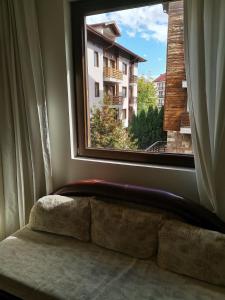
100, 240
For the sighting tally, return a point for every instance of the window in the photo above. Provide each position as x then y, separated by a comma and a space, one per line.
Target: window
97, 94
105, 62
112, 63
124, 114
88, 33
124, 69
124, 92
96, 60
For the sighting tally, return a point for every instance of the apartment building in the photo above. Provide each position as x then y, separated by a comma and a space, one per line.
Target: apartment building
160, 84
176, 116
112, 71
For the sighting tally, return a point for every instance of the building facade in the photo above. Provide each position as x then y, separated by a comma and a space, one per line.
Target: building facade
112, 71
160, 84
176, 116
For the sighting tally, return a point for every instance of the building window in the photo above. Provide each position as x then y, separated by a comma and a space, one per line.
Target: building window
88, 33
96, 59
124, 69
124, 92
97, 94
112, 64
124, 113
105, 62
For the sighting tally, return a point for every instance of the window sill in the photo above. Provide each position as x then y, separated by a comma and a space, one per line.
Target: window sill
133, 164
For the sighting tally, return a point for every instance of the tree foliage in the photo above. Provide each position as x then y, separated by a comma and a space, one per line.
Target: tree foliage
146, 94
147, 127
108, 132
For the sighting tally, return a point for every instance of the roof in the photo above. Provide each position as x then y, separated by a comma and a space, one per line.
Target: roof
114, 44
112, 24
161, 77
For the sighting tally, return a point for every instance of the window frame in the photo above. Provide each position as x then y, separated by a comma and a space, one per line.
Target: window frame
124, 68
96, 59
79, 10
124, 113
97, 89
124, 94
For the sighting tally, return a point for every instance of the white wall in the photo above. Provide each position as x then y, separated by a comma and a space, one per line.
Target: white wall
65, 169
95, 74
124, 83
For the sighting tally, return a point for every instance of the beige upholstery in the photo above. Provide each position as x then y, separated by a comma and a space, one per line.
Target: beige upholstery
192, 251
62, 215
127, 230
42, 266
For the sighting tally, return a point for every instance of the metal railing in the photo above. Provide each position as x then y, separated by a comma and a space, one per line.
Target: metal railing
112, 73
158, 146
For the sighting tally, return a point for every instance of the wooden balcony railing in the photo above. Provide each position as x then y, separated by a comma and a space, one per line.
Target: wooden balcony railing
184, 120
112, 73
133, 79
113, 100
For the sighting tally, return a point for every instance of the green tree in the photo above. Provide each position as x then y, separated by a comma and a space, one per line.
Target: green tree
146, 94
147, 127
107, 131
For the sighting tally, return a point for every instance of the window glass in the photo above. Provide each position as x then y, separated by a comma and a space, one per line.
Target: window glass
124, 92
96, 61
124, 69
146, 111
97, 94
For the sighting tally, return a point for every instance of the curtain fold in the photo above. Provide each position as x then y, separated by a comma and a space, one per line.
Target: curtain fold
25, 164
204, 28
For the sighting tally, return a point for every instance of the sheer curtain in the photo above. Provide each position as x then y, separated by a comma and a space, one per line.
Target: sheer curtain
25, 168
205, 66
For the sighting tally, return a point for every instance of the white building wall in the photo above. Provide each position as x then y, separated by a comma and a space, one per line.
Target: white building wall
124, 83
160, 92
135, 69
135, 88
95, 74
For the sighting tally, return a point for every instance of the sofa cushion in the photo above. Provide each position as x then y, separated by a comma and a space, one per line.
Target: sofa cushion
192, 251
125, 229
62, 215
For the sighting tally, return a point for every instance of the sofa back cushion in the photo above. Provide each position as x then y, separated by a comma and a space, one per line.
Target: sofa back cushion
124, 229
62, 215
192, 251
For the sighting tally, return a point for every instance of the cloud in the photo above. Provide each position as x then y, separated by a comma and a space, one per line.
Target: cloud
146, 36
131, 33
149, 22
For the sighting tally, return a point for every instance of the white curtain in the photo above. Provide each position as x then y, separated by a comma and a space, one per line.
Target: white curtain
204, 26
25, 169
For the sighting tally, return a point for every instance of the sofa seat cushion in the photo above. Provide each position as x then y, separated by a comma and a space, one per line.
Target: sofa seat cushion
62, 215
41, 266
189, 250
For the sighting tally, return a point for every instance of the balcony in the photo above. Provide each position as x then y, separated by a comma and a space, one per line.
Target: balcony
133, 79
112, 75
113, 100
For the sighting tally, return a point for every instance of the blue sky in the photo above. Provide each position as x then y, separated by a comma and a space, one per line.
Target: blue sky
143, 31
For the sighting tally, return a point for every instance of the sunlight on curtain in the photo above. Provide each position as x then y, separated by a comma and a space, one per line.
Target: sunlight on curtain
205, 66
25, 168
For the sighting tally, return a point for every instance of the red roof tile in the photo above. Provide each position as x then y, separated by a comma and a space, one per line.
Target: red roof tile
161, 77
